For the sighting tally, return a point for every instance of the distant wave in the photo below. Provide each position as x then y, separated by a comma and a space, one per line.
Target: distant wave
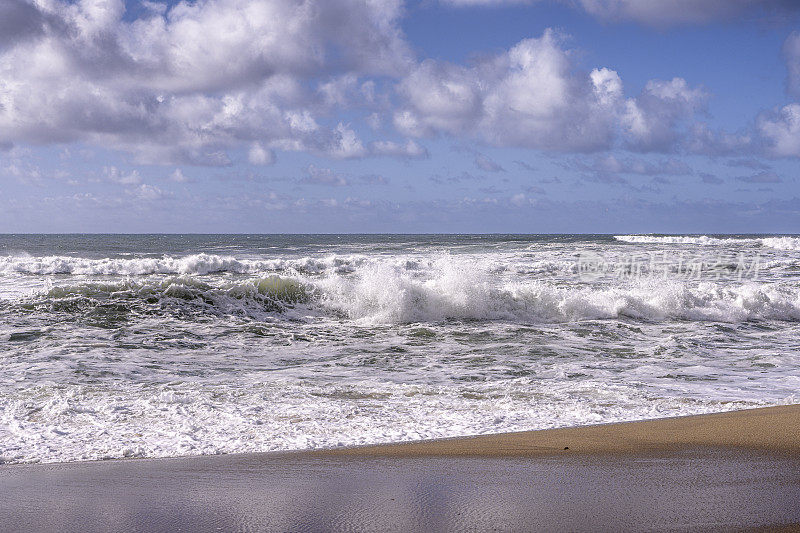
204, 264
679, 239
199, 264
780, 243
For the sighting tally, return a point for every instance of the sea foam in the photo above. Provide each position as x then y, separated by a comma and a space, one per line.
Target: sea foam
447, 289
779, 243
217, 345
456, 291
196, 264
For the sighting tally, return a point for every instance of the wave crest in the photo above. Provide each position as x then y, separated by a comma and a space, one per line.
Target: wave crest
119, 301
447, 288
682, 239
778, 243
782, 243
461, 292
197, 264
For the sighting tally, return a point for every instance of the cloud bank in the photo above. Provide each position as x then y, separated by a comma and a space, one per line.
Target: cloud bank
185, 84
205, 82
533, 96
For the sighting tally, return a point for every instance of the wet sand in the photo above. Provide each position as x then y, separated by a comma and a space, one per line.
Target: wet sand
725, 472
776, 429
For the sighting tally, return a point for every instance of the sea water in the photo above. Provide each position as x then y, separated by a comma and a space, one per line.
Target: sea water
164, 345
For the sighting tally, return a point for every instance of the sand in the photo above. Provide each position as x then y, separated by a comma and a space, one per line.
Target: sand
776, 429
722, 472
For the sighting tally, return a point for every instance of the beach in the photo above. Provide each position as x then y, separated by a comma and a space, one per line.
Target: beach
399, 265
772, 429
719, 472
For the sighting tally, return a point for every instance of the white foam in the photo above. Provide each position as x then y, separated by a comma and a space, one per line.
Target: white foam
445, 288
196, 264
460, 290
782, 243
683, 239
779, 243
56, 424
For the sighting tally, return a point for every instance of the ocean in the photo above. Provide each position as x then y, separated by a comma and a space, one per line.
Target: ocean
165, 345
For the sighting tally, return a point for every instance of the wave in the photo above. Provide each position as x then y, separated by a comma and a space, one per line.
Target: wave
779, 243
456, 292
114, 303
198, 264
444, 288
782, 243
352, 264
681, 239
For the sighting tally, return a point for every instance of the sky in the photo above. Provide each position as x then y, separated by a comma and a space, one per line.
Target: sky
392, 116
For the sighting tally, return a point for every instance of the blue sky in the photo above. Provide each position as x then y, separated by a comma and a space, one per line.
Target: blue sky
391, 116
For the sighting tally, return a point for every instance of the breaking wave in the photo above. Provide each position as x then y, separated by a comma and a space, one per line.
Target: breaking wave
108, 304
383, 294
682, 239
779, 243
198, 264
782, 243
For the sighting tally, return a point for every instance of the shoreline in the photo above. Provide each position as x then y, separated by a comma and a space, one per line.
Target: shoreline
736, 470
774, 429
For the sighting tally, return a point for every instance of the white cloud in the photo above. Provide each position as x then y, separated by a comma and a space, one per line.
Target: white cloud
519, 200
188, 83
374, 121
323, 176
258, 155
750, 163
781, 131
651, 121
527, 96
115, 175
607, 85
444, 97
339, 91
178, 176
147, 192
533, 96
203, 77
346, 144
703, 140
301, 121
410, 149
23, 172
